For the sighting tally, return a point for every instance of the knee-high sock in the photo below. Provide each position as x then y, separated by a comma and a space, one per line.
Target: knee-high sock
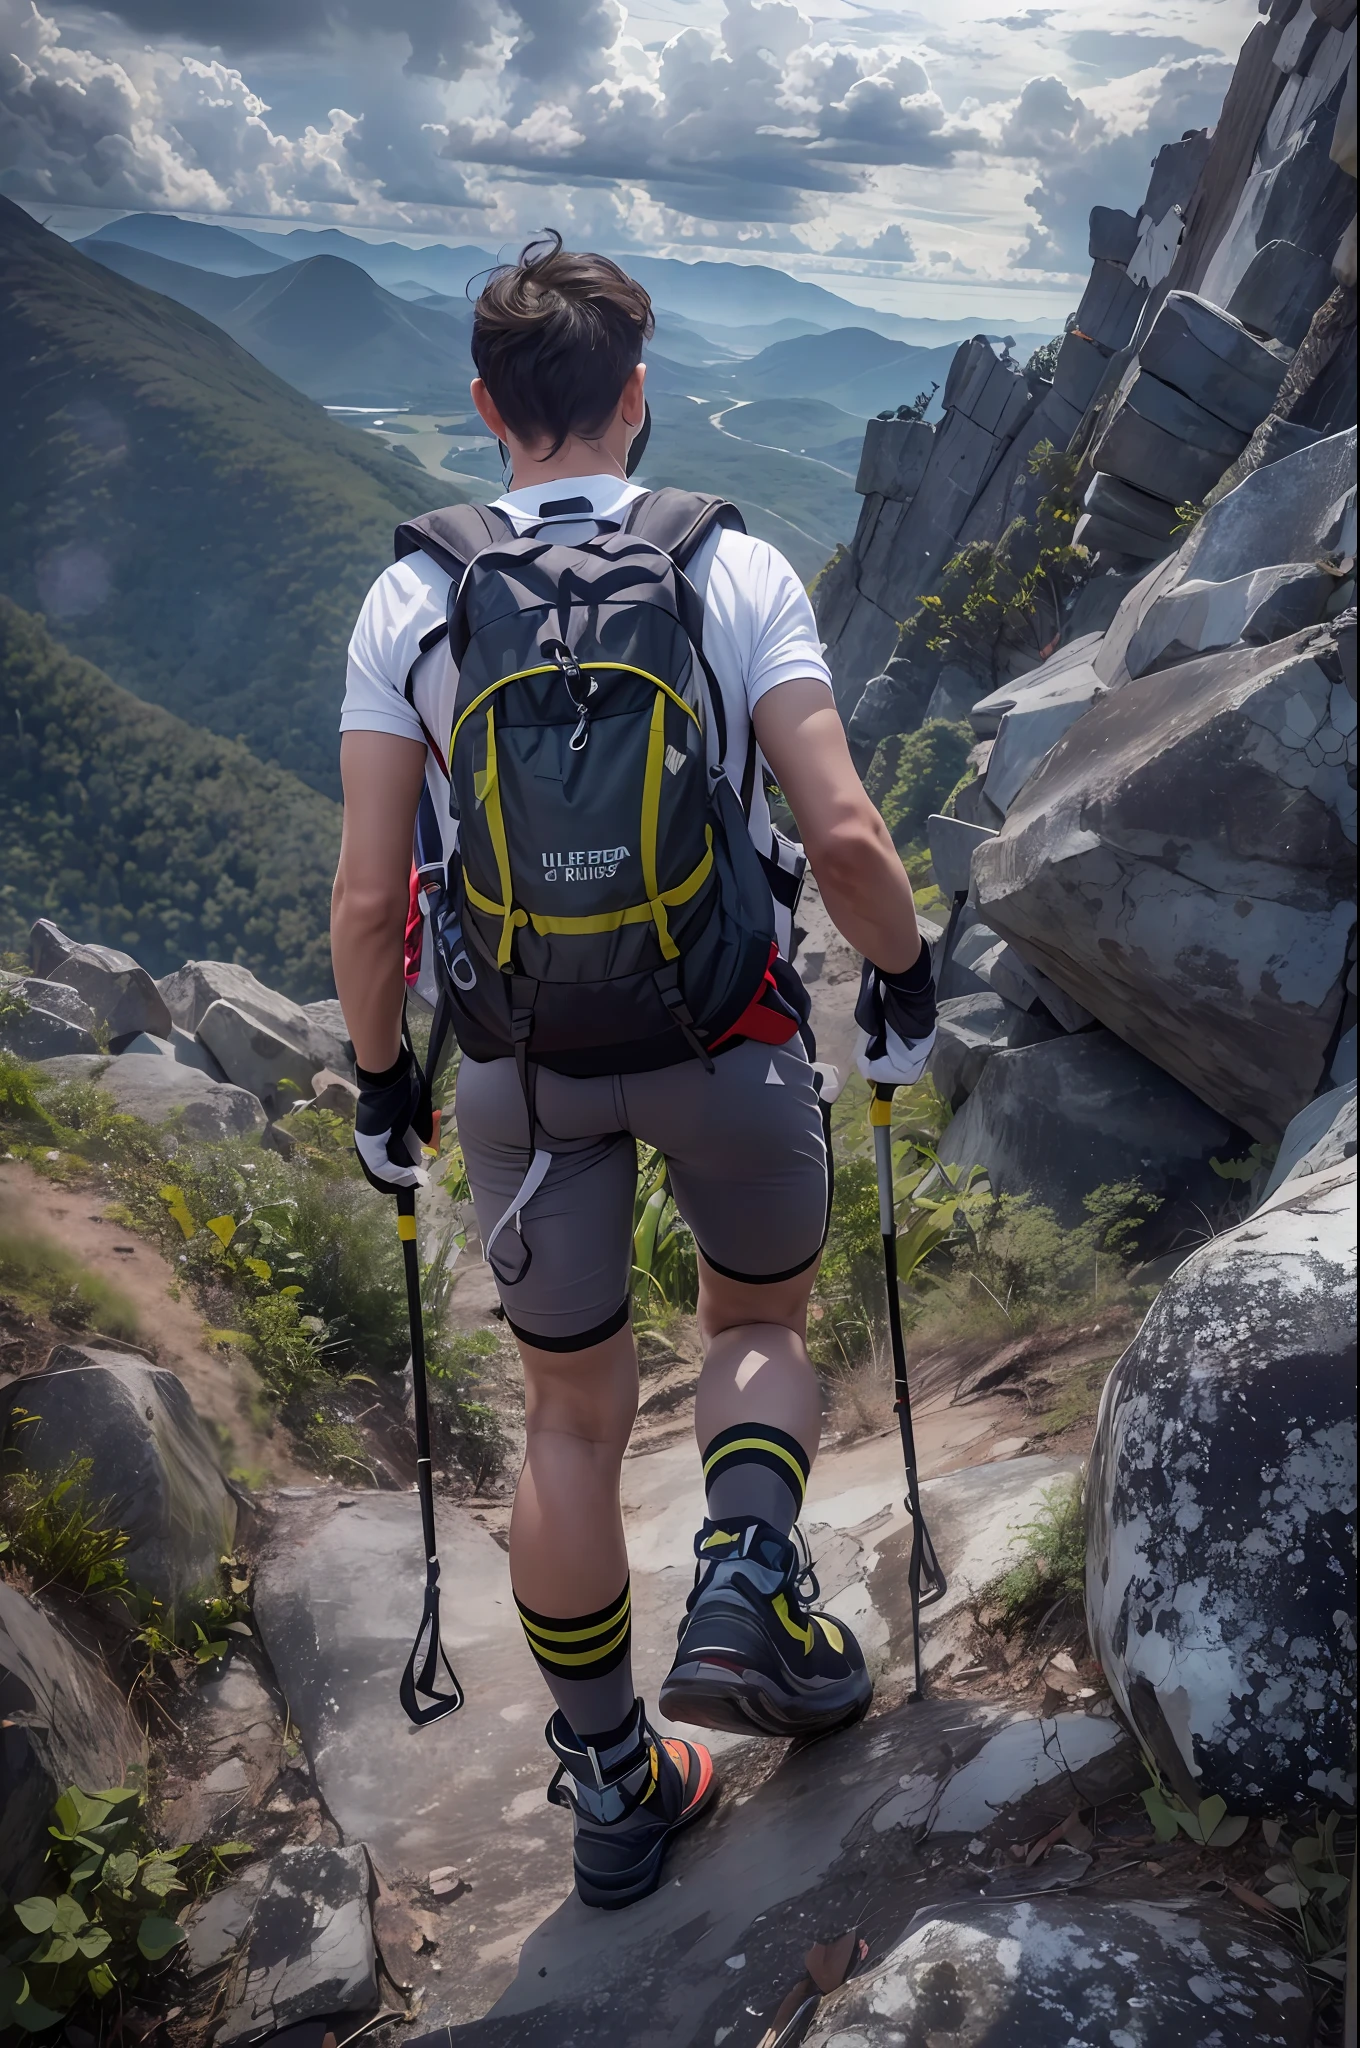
587, 1662
754, 1469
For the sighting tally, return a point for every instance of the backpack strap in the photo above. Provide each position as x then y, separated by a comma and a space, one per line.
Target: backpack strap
452, 536
679, 522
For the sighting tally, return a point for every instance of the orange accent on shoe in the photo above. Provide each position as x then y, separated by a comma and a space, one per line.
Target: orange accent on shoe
680, 1755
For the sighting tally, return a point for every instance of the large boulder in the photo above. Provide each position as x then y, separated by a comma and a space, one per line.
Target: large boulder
1196, 348
1040, 1972
121, 993
894, 458
317, 1028
161, 1091
970, 1030
1221, 1511
274, 1067
1196, 617
1182, 864
1320, 1137
153, 1463
64, 1723
43, 1020
1294, 510
1058, 1120
988, 711
1281, 289
180, 1047
310, 1952
1036, 721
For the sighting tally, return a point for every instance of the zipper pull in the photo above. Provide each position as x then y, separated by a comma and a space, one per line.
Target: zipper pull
580, 688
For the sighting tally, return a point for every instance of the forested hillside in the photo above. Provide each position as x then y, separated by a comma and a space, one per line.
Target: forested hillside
182, 517
133, 829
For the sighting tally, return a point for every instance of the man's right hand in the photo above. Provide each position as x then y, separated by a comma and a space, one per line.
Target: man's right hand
392, 1118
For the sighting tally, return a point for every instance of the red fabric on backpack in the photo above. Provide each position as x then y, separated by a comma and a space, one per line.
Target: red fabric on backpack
767, 1018
415, 931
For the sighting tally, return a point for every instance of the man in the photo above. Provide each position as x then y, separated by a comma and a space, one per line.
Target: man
557, 342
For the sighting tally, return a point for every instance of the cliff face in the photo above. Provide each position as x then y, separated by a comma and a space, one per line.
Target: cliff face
1216, 334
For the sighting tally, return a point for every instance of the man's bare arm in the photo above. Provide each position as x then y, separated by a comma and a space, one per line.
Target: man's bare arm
863, 883
381, 774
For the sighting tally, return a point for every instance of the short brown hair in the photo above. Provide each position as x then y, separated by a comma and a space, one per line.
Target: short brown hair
555, 337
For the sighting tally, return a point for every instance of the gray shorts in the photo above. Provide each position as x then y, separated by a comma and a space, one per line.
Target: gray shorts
745, 1147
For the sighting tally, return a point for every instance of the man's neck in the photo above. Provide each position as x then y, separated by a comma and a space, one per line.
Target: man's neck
574, 459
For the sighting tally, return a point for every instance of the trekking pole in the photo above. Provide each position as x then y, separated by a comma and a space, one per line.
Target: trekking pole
419, 1691
925, 1580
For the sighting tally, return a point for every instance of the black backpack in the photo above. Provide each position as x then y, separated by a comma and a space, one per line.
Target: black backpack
605, 910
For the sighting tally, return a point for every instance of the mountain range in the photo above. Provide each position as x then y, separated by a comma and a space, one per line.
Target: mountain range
733, 295
181, 516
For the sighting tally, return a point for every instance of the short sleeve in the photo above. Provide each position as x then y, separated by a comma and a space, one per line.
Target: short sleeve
767, 614
402, 606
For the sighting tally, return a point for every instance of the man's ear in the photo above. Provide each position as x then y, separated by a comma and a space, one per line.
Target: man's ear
488, 410
632, 399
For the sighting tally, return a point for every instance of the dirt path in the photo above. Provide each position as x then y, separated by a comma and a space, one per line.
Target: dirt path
220, 1384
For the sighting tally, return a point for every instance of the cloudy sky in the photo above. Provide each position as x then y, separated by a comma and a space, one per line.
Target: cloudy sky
932, 159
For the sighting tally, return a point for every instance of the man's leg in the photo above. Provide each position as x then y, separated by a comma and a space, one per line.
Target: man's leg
568, 1563
758, 1408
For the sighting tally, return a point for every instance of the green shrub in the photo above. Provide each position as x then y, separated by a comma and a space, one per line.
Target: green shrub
927, 767
110, 1928
54, 1531
1049, 1571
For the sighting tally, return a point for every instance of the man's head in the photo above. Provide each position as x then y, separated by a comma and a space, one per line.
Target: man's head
557, 339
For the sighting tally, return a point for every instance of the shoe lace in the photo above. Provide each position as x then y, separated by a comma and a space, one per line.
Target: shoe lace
799, 1581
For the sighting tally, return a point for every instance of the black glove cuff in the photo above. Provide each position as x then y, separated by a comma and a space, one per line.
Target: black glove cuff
398, 1071
913, 980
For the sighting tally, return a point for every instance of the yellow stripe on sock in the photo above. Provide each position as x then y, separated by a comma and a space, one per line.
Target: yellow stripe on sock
577, 1657
577, 1635
758, 1443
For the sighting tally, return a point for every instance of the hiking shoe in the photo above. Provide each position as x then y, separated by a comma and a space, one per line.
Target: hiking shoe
628, 1801
753, 1651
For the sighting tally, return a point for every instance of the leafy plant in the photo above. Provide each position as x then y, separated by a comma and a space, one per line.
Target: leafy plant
53, 1531
1210, 1824
1049, 1572
110, 1928
1311, 1887
665, 1265
916, 410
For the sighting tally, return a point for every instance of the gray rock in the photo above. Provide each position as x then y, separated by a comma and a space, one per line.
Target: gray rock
1110, 540
953, 695
1273, 439
1079, 369
1195, 347
1141, 453
891, 703
1142, 867
179, 1047
1176, 171
970, 1030
952, 845
1280, 290
1033, 726
161, 1091
74, 1066
1056, 1121
333, 1092
216, 1927
1113, 236
65, 1722
316, 1027
273, 1067
987, 713
1097, 603
1196, 617
153, 1461
1004, 971
1033, 1972
1343, 1064
1178, 415
1320, 1137
894, 458
311, 1951
122, 995
1299, 508
234, 1732
32, 1024
1108, 497
1220, 1576
1110, 305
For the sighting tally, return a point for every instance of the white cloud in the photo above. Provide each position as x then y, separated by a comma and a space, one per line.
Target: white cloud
891, 244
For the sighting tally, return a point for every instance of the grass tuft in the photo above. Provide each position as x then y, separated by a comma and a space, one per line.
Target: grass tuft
45, 1280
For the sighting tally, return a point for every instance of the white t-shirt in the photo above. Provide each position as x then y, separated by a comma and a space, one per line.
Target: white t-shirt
759, 631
